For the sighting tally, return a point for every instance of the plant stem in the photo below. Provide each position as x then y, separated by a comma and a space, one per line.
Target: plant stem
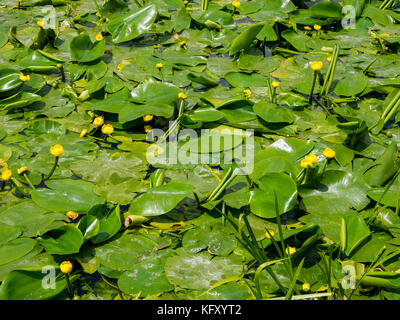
70, 291
29, 181
310, 99
52, 169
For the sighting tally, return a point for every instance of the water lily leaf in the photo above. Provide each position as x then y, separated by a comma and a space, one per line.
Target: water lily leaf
110, 223
28, 285
132, 111
198, 271
160, 200
64, 240
353, 231
327, 9
152, 92
84, 50
245, 38
8, 233
272, 113
132, 24
19, 100
15, 249
240, 79
262, 201
65, 195
9, 79
351, 85
89, 226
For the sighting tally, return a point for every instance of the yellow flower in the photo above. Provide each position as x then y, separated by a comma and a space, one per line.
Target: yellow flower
316, 65
107, 129
317, 27
307, 28
22, 170
290, 250
329, 59
83, 133
236, 4
182, 96
72, 215
66, 267
41, 23
6, 175
385, 35
159, 65
148, 117
305, 163
57, 150
247, 93
328, 153
24, 78
305, 287
99, 37
98, 121
275, 84
148, 128
311, 158
271, 232
182, 43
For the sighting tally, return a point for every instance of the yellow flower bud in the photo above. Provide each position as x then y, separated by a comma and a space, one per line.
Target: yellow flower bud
66, 267
275, 84
247, 93
24, 78
159, 65
182, 96
72, 215
148, 128
316, 65
311, 158
307, 28
41, 23
107, 129
22, 170
317, 27
305, 163
290, 250
6, 175
148, 117
98, 121
271, 232
57, 150
181, 43
99, 37
83, 133
236, 4
328, 153
329, 59
305, 287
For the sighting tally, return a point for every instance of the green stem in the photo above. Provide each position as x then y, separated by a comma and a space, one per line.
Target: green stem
70, 291
29, 181
52, 169
310, 99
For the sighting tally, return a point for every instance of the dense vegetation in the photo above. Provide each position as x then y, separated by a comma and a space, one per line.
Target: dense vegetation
93, 95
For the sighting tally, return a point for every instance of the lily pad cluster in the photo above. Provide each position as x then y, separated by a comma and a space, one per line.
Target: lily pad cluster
90, 206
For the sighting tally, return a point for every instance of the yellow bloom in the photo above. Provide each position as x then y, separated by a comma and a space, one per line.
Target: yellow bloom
317, 27
305, 287
271, 232
22, 169
57, 150
328, 153
290, 250
107, 129
182, 43
247, 93
24, 78
98, 121
159, 65
236, 4
72, 215
66, 267
307, 28
148, 128
385, 35
83, 133
148, 117
6, 175
275, 84
99, 37
305, 163
316, 65
329, 59
182, 96
312, 158
41, 23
